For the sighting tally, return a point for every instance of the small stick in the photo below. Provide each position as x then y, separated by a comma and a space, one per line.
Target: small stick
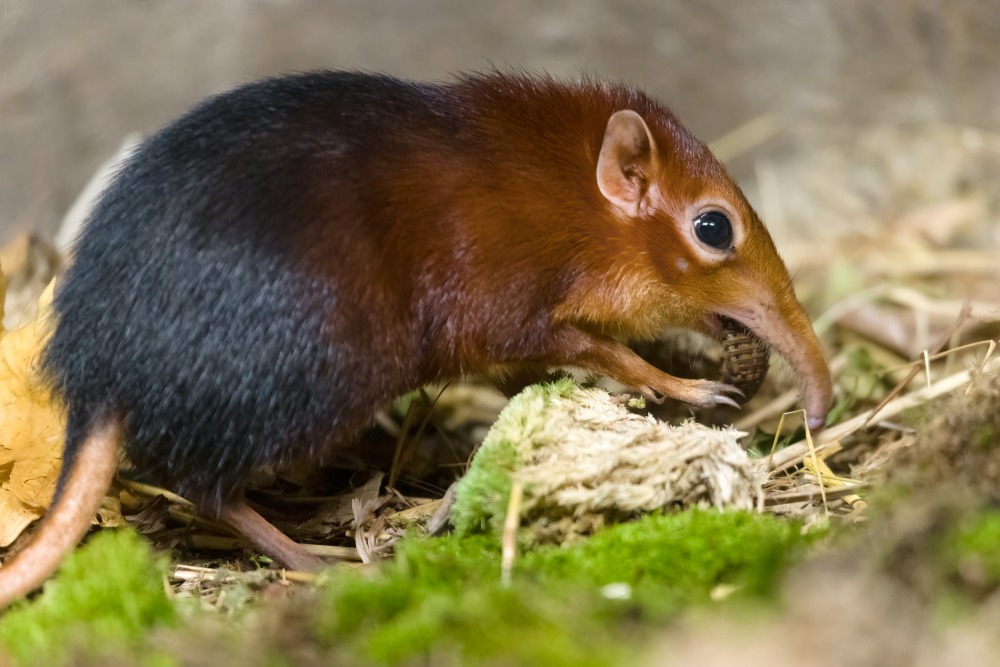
781, 403
153, 491
794, 453
330, 551
937, 347
404, 445
808, 494
509, 540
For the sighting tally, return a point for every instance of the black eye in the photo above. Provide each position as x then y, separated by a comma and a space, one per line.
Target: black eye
713, 229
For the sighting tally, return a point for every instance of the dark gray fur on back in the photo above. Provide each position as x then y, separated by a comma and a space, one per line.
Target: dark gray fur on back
184, 309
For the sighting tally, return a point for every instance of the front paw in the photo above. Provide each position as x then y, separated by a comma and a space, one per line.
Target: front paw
699, 393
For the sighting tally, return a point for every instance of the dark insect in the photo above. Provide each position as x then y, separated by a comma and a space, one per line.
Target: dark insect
746, 358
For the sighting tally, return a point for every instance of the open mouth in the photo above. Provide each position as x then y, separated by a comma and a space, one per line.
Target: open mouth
746, 356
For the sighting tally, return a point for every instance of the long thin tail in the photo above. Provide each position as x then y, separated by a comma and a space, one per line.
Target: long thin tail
69, 518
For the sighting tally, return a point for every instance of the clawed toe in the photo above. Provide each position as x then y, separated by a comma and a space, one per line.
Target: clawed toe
732, 389
725, 400
700, 393
652, 395
716, 393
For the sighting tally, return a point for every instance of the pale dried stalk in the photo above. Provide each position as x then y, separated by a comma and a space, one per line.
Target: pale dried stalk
794, 454
511, 523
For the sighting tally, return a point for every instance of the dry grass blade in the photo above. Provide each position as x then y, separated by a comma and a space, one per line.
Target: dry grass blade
934, 349
368, 540
795, 453
334, 552
151, 491
813, 459
781, 403
364, 505
830, 482
811, 493
405, 445
509, 538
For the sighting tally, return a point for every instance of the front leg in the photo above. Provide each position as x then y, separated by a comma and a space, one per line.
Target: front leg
599, 354
515, 377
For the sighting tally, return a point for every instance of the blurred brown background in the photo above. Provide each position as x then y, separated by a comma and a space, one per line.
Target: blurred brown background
77, 77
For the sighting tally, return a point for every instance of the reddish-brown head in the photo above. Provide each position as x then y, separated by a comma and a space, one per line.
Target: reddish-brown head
711, 253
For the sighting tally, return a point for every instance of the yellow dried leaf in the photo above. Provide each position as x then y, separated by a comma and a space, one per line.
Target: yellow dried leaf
14, 516
110, 513
31, 427
31, 431
33, 481
941, 222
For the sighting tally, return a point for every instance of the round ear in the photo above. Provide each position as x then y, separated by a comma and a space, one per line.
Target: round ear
626, 164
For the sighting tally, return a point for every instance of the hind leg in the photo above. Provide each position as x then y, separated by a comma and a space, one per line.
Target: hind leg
266, 537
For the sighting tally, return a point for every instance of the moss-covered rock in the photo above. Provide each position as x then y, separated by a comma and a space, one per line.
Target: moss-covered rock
585, 461
576, 605
104, 600
958, 447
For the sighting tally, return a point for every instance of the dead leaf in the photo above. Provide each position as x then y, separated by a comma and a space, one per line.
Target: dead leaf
14, 517
3, 292
939, 223
31, 428
31, 431
110, 513
29, 262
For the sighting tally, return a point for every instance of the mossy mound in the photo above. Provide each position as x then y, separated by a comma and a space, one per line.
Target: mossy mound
959, 446
585, 461
104, 601
442, 599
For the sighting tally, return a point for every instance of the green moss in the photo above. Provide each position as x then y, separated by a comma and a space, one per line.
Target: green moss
984, 438
103, 601
864, 377
443, 597
483, 493
679, 558
436, 593
974, 550
440, 601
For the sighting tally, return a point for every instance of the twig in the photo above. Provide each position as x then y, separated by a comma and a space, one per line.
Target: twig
794, 453
938, 345
808, 494
153, 491
508, 541
404, 445
780, 404
330, 551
